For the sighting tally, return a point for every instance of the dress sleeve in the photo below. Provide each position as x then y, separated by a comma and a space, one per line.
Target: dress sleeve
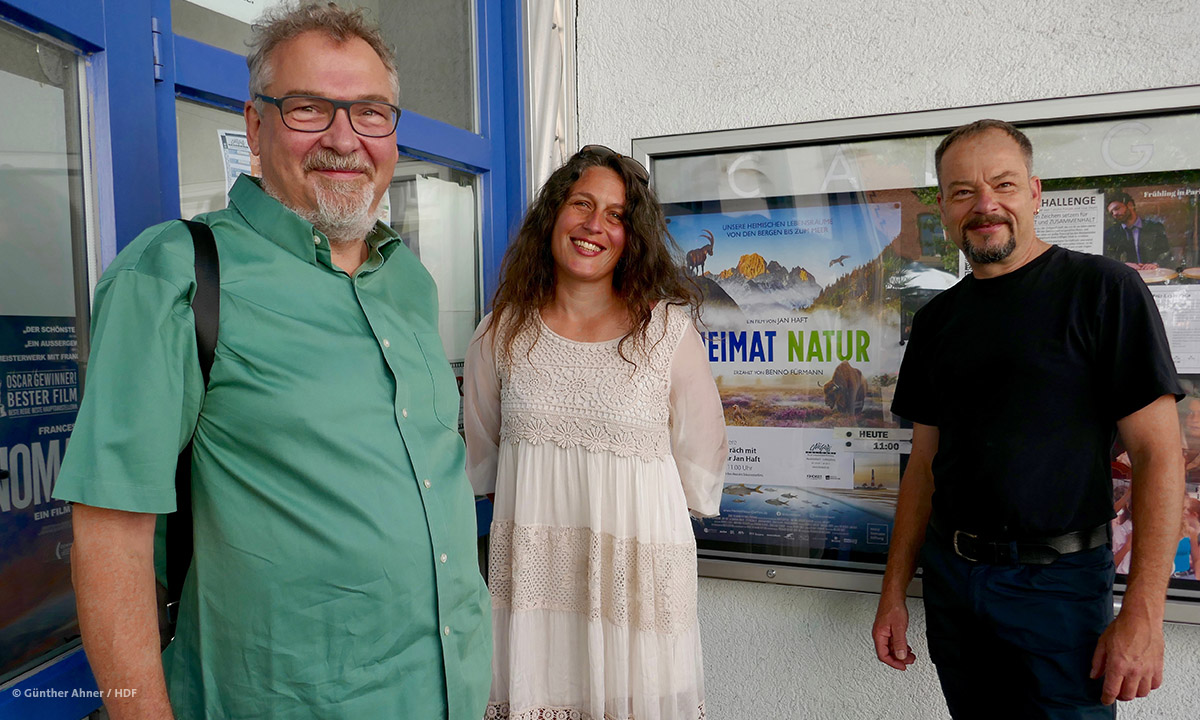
698, 440
481, 409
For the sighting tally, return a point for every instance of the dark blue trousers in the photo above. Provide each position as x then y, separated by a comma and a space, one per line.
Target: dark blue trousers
1016, 641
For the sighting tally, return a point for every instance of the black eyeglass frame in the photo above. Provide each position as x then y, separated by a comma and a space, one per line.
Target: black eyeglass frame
337, 104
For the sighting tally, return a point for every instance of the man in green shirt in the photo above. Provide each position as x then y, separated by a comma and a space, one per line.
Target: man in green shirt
334, 572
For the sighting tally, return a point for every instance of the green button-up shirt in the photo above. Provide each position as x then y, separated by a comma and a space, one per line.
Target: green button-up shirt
335, 571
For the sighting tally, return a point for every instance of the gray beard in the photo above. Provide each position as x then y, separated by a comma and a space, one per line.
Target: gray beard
342, 214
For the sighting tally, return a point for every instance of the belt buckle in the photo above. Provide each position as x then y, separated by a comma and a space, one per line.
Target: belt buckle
957, 550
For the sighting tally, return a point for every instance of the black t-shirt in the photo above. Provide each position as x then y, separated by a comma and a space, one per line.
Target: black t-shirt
1025, 376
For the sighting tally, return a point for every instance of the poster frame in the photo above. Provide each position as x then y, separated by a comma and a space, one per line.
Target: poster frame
1183, 605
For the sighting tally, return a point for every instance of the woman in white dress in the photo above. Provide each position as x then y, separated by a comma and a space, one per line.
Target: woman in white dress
592, 416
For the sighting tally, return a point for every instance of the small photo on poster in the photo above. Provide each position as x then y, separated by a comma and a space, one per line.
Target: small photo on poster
840, 508
1152, 227
800, 522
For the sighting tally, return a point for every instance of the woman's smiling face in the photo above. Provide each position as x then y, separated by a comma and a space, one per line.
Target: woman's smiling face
589, 234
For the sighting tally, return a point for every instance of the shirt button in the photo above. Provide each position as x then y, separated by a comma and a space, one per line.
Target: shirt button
404, 412
446, 631
316, 239
386, 343
444, 557
427, 483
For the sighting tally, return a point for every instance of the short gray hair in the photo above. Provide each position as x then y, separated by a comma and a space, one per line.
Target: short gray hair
289, 20
976, 128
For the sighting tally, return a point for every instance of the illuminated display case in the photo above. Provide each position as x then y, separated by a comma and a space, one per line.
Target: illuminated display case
816, 243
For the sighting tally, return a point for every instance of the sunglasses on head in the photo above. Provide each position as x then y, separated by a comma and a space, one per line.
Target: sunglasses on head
636, 168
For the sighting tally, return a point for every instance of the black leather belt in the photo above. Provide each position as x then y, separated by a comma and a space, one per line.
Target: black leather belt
1036, 551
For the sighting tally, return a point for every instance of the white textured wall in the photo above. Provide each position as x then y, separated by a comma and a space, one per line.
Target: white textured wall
646, 67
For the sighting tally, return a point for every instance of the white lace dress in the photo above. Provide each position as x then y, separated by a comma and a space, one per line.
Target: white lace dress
594, 465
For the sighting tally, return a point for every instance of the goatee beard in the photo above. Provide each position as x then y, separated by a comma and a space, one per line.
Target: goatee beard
344, 209
342, 213
985, 255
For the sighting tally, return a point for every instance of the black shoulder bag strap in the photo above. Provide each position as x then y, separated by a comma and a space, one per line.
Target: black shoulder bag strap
206, 307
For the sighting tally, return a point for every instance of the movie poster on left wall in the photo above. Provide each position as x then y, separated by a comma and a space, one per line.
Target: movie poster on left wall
802, 321
39, 397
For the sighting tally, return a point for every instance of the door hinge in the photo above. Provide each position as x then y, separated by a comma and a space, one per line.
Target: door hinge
156, 34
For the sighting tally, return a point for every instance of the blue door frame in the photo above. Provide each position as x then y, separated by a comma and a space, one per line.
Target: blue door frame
137, 182
497, 153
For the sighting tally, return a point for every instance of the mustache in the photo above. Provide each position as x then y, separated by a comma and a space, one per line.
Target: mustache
326, 159
981, 220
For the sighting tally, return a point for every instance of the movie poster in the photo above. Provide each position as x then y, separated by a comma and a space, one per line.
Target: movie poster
39, 396
805, 303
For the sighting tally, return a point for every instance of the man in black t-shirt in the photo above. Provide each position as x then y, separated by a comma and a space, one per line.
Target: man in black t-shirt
1016, 381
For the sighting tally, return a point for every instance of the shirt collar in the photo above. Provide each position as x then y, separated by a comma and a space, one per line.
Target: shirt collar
270, 219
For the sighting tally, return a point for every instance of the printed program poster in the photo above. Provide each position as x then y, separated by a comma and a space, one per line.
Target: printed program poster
1179, 306
1073, 219
236, 156
39, 396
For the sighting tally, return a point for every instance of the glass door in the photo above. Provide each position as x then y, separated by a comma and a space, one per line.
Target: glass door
43, 318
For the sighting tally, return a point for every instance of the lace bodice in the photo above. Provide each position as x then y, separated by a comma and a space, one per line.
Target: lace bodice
566, 394
580, 394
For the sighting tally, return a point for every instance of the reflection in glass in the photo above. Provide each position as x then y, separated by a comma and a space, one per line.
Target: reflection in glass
40, 195
208, 26
43, 291
203, 179
435, 52
434, 210
433, 41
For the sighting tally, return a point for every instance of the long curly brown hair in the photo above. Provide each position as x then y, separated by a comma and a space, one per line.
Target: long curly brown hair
646, 274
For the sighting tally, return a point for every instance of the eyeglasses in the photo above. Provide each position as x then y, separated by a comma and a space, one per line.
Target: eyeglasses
313, 114
636, 168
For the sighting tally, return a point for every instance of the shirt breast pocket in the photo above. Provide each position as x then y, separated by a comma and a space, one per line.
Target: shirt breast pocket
447, 388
